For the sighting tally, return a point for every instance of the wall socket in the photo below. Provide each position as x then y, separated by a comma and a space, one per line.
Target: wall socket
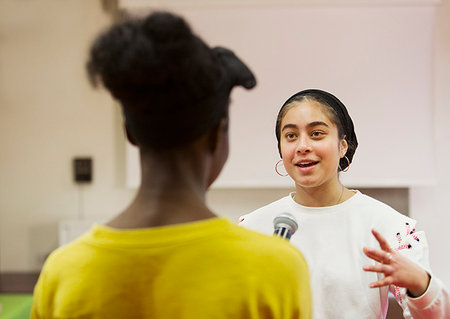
82, 169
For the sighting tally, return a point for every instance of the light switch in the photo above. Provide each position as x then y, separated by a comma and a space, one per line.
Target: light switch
82, 169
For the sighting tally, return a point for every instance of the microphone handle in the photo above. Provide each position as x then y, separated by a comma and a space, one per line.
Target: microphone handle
283, 232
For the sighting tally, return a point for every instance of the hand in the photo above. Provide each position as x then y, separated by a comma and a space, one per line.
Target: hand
398, 270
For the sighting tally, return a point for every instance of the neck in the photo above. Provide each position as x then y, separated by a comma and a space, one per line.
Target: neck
171, 192
328, 194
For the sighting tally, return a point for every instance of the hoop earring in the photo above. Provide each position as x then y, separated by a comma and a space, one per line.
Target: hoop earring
348, 165
276, 168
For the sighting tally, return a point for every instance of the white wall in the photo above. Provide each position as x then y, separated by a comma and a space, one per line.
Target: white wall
377, 59
49, 114
430, 205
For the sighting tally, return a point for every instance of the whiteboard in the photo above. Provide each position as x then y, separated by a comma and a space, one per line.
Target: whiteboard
376, 59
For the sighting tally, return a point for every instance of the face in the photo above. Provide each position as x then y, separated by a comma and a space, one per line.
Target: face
310, 145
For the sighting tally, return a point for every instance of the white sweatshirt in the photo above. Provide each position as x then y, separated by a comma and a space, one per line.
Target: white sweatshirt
332, 240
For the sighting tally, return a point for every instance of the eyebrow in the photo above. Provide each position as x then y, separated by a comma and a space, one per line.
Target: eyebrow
312, 124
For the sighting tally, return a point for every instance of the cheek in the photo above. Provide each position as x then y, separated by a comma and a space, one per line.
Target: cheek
287, 150
327, 151
331, 152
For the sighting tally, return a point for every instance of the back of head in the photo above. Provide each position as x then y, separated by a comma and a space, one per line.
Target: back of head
166, 78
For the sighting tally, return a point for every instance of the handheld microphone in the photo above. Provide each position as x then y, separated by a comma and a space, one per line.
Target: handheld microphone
284, 225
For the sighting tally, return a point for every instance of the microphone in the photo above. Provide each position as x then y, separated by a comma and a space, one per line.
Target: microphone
285, 226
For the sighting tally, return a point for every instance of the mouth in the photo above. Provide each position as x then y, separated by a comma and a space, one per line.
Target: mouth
306, 164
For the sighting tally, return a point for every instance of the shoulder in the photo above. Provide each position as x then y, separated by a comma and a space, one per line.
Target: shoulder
381, 215
270, 260
257, 246
371, 203
379, 212
398, 229
68, 255
267, 261
265, 213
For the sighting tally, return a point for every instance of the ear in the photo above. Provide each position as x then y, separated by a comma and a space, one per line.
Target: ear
343, 147
215, 136
129, 136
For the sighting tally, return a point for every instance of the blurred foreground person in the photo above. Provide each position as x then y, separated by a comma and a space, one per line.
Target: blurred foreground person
167, 255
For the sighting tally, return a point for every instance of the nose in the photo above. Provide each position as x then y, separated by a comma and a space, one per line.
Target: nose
303, 146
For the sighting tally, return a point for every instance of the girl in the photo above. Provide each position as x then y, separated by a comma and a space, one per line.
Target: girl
168, 255
316, 140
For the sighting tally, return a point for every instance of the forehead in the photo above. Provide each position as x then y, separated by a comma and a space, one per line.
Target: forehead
307, 111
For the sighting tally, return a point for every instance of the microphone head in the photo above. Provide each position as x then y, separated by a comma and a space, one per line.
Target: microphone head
286, 220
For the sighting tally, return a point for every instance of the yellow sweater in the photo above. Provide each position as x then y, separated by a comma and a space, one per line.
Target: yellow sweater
206, 269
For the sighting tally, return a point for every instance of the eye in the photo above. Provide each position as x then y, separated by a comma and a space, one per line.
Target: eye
290, 136
317, 134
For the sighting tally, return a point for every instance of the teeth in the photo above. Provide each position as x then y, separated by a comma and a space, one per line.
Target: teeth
306, 164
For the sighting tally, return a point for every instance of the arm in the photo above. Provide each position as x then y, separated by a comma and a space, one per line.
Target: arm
43, 296
37, 299
418, 293
433, 303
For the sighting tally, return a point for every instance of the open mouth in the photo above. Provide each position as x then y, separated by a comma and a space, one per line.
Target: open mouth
309, 164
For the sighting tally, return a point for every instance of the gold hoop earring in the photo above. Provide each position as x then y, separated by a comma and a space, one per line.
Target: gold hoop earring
276, 168
348, 165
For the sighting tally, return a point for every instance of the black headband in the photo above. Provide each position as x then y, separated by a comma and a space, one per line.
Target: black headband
342, 115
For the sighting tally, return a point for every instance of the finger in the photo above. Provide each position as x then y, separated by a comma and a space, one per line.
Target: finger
377, 255
383, 243
386, 281
380, 268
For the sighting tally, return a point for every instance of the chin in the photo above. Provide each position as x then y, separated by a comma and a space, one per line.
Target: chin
307, 183
303, 185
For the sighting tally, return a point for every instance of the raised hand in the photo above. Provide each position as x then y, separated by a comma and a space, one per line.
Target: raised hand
398, 270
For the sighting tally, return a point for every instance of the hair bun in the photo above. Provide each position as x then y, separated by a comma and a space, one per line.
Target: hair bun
238, 73
166, 27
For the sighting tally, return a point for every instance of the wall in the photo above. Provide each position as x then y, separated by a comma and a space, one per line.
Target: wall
430, 205
351, 51
49, 114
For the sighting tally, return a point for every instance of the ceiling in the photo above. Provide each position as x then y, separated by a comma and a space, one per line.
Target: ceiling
134, 4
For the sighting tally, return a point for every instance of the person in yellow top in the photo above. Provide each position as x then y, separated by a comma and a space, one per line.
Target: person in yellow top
167, 255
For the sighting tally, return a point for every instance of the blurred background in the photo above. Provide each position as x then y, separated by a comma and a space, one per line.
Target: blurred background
388, 61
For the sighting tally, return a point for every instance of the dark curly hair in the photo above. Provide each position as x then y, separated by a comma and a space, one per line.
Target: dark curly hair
161, 71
